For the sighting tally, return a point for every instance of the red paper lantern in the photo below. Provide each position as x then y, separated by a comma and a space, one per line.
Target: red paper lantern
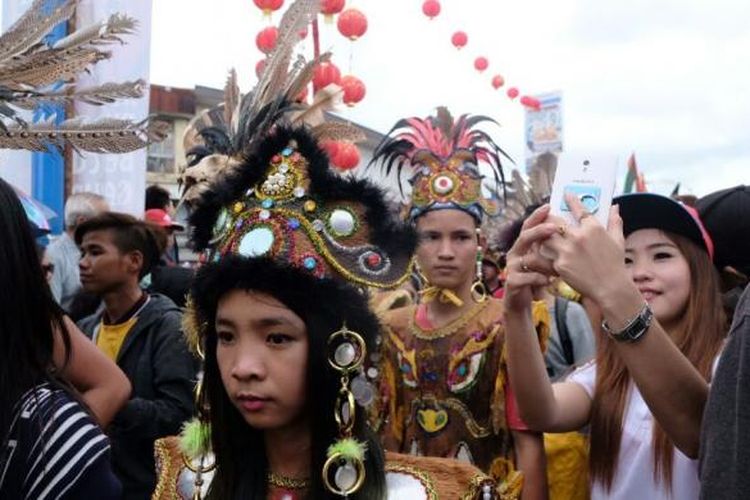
352, 23
266, 39
459, 39
531, 102
325, 74
497, 81
331, 148
329, 8
347, 156
431, 8
268, 6
259, 67
512, 92
481, 64
354, 90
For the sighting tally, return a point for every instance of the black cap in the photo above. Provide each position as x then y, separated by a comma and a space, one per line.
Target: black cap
726, 214
654, 211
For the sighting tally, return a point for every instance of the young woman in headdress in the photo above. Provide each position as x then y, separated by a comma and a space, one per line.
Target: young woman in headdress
280, 315
444, 383
663, 326
285, 338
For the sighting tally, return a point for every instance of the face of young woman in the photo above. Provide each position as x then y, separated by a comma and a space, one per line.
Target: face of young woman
262, 356
447, 248
660, 272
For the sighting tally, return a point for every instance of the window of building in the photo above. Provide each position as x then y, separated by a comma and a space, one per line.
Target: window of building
161, 155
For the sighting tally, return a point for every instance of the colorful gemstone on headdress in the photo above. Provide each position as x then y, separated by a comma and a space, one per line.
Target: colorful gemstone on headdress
443, 184
220, 225
238, 207
310, 263
264, 214
373, 260
310, 206
287, 151
293, 224
299, 192
318, 225
256, 242
342, 222
267, 203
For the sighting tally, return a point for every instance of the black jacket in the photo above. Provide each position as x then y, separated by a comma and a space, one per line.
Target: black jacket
162, 371
172, 281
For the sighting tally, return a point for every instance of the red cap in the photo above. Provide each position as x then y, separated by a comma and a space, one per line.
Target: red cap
161, 218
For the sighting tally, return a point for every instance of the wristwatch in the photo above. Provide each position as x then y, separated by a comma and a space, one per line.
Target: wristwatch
635, 328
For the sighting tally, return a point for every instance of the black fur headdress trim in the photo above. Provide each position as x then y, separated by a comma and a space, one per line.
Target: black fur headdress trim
394, 238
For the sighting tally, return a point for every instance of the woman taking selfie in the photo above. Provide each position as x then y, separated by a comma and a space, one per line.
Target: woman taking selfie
662, 330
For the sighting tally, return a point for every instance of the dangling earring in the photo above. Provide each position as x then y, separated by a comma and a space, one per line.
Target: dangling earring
478, 290
195, 438
344, 470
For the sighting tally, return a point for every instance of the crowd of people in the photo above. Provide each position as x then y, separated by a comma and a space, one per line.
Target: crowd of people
326, 347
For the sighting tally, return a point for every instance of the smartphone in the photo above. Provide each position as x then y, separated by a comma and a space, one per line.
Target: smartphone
591, 179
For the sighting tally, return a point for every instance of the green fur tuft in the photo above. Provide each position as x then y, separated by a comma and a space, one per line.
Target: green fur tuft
348, 448
195, 438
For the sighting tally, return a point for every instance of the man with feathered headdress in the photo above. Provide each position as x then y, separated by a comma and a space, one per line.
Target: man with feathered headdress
444, 387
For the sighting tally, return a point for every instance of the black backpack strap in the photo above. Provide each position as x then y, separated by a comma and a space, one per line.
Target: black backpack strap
561, 309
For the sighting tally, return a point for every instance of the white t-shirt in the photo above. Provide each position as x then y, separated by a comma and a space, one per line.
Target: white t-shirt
634, 476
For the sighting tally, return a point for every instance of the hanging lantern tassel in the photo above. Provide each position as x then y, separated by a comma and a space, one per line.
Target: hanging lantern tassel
354, 90
531, 102
497, 81
330, 8
431, 8
268, 6
352, 23
481, 64
512, 92
459, 39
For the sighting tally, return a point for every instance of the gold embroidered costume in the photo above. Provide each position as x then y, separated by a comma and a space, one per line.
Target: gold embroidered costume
443, 390
415, 478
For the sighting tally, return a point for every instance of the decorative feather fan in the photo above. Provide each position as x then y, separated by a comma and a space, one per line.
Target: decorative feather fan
217, 139
31, 70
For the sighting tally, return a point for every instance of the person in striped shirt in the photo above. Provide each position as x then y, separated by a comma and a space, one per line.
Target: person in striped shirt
50, 446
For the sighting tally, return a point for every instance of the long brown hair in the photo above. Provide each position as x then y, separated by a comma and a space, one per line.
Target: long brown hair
699, 336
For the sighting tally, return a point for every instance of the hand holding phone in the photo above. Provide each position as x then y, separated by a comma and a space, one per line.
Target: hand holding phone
590, 179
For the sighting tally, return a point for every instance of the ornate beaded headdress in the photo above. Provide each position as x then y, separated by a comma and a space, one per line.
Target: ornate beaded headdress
445, 155
260, 185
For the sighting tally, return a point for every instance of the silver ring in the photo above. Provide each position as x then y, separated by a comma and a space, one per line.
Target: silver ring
524, 267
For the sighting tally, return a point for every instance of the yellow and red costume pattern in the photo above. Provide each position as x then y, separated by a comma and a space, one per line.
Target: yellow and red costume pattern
444, 391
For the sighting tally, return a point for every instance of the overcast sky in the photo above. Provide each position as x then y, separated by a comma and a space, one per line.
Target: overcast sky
667, 79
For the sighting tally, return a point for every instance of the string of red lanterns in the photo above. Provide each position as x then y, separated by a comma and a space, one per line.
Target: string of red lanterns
459, 39
352, 24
